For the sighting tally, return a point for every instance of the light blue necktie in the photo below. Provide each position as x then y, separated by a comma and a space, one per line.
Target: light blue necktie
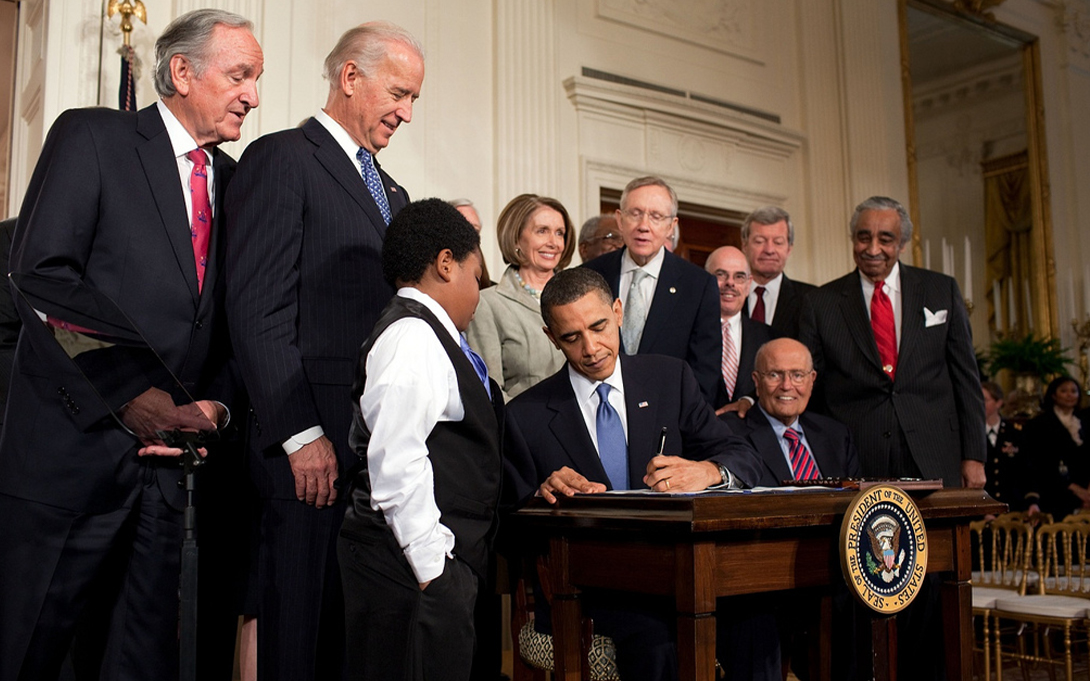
478, 364
374, 182
612, 448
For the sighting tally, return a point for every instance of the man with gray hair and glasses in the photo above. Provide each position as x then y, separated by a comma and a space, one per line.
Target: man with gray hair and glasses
309, 209
124, 206
767, 237
599, 235
671, 305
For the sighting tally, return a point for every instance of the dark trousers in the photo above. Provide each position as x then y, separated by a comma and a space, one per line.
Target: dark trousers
55, 562
395, 631
300, 625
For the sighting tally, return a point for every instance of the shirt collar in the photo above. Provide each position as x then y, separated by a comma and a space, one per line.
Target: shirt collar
772, 287
340, 135
653, 266
777, 425
180, 140
893, 280
735, 323
584, 387
419, 296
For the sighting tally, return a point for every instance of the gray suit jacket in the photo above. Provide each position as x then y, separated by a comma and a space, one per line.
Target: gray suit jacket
934, 402
506, 332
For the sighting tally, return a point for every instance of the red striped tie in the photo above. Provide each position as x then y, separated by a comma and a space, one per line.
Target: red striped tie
803, 466
730, 360
885, 331
201, 226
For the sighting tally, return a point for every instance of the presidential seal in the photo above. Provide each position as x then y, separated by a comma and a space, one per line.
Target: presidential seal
883, 548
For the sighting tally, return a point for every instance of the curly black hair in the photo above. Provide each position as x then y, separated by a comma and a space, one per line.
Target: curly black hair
416, 236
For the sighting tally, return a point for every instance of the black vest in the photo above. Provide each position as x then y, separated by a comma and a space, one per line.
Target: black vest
464, 455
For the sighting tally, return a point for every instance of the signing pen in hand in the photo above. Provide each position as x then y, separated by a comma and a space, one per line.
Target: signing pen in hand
662, 441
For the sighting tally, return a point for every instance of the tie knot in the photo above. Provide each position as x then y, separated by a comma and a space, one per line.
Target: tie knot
791, 435
364, 156
638, 275
760, 291
603, 391
198, 157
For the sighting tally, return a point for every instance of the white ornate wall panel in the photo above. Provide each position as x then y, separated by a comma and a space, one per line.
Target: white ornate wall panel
725, 25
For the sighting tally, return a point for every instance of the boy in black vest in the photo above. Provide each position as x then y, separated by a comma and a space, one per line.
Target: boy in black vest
422, 502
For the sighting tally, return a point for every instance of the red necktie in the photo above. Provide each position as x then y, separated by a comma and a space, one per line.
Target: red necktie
201, 227
885, 331
803, 466
759, 307
729, 364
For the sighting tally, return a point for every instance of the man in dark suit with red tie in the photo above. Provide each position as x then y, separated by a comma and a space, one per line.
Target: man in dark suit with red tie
123, 208
308, 211
767, 237
895, 363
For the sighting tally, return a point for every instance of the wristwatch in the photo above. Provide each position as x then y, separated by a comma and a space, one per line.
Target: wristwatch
728, 479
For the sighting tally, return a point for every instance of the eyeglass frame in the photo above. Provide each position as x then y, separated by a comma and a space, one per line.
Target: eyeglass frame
795, 376
636, 216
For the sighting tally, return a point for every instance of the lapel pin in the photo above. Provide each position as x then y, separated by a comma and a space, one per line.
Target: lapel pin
673, 290
393, 189
642, 405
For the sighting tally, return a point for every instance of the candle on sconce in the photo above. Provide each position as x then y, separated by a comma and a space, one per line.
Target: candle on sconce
1029, 304
927, 254
968, 270
946, 259
1012, 304
997, 303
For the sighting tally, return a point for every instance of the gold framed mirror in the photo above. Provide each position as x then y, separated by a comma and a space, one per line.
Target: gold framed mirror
977, 164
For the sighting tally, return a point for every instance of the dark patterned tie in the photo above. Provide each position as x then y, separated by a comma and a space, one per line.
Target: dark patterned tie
759, 306
612, 448
478, 364
200, 229
885, 331
374, 182
803, 466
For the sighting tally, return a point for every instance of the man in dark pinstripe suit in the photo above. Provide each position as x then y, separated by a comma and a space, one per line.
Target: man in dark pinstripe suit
305, 286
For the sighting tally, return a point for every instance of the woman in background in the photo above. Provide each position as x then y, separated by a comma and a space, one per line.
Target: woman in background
1058, 455
536, 239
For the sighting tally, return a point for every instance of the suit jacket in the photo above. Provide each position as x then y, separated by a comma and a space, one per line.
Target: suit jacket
754, 335
788, 307
506, 332
683, 320
104, 219
545, 430
934, 402
9, 318
830, 443
304, 289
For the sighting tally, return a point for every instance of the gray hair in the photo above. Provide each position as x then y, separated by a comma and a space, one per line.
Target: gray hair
367, 45
189, 36
589, 228
883, 203
768, 215
650, 181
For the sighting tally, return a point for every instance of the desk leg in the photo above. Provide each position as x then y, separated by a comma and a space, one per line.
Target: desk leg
567, 664
695, 593
957, 623
884, 646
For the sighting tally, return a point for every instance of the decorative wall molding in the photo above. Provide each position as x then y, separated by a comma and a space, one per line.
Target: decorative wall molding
968, 88
726, 26
1073, 18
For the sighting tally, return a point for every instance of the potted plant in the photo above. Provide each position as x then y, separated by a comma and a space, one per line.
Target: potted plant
1031, 362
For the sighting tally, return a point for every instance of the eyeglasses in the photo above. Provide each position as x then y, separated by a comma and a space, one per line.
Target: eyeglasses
608, 236
737, 277
797, 376
636, 216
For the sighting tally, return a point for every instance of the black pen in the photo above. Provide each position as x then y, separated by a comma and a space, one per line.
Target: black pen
662, 440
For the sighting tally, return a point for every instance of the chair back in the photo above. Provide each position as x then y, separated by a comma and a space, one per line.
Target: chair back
1006, 554
1061, 556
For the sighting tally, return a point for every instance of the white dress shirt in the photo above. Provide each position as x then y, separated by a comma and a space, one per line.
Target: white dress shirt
411, 386
647, 286
892, 286
771, 297
587, 399
182, 143
345, 142
779, 428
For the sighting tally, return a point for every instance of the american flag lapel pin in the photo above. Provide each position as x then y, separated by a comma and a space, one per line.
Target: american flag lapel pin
642, 405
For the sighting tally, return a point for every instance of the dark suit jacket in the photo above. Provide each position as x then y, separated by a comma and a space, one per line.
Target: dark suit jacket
9, 318
935, 401
788, 307
683, 321
104, 218
304, 289
830, 443
754, 335
546, 430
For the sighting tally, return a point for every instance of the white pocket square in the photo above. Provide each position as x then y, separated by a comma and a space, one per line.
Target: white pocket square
933, 318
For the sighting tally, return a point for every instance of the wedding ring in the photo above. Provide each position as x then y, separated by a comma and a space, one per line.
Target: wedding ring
667, 481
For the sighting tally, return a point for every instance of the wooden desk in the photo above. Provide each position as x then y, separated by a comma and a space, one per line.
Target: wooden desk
697, 548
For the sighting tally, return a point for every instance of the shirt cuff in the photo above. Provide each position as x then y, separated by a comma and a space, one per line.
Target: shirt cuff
749, 399
427, 558
300, 440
